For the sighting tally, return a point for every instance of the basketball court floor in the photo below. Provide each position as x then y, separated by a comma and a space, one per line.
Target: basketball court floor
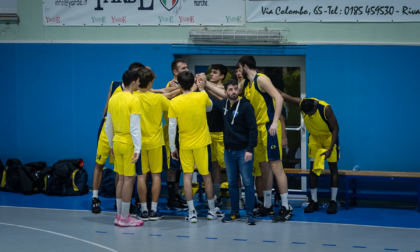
45, 223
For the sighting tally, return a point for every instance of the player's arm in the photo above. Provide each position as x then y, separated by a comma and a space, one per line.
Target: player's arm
107, 100
266, 85
211, 94
135, 131
290, 99
332, 120
172, 94
172, 134
251, 122
109, 131
164, 90
283, 131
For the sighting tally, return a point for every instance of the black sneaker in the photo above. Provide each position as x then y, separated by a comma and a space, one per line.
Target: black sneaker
180, 199
312, 207
153, 216
231, 217
96, 205
332, 208
144, 216
176, 205
263, 211
283, 214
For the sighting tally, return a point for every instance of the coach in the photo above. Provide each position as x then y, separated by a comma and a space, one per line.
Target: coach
240, 138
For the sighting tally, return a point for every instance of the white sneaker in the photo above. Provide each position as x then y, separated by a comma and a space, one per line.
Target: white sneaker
215, 214
241, 204
192, 217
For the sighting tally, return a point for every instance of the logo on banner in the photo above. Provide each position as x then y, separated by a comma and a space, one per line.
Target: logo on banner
230, 19
166, 19
53, 20
186, 19
101, 20
119, 19
70, 3
169, 4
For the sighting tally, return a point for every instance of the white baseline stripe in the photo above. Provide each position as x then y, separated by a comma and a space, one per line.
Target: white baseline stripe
309, 222
67, 236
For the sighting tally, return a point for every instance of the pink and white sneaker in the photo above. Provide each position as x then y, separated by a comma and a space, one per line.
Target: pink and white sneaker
117, 218
129, 222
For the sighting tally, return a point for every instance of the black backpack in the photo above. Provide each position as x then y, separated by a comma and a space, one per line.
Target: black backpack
10, 177
30, 177
107, 188
67, 180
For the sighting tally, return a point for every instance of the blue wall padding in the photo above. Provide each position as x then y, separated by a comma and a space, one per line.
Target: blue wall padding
53, 97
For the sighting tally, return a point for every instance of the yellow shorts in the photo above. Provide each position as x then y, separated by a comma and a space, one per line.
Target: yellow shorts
200, 156
323, 142
151, 161
217, 148
256, 171
268, 147
123, 153
102, 150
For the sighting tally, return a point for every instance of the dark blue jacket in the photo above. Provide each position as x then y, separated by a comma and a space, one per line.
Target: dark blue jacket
243, 133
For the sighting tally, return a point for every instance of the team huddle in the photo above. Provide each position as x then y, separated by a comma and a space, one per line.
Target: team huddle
208, 125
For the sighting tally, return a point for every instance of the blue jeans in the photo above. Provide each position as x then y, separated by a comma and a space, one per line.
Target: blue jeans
235, 164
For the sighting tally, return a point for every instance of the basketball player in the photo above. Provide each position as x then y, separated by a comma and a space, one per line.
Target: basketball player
124, 136
322, 126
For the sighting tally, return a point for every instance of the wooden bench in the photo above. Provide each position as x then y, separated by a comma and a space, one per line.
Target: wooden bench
351, 176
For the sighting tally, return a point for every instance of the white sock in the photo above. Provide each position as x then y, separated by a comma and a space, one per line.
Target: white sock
314, 195
334, 191
190, 205
95, 193
143, 206
119, 206
211, 204
216, 190
125, 209
284, 201
267, 198
154, 206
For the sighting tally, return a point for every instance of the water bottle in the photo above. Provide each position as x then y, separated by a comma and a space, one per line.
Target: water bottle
356, 168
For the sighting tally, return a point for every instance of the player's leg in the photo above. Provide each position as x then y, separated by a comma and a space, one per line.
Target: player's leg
187, 162
142, 170
156, 162
245, 169
313, 145
232, 172
332, 164
202, 157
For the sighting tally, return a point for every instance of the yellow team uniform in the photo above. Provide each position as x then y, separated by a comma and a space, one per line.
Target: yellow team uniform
121, 106
320, 132
153, 153
102, 149
268, 147
217, 148
194, 135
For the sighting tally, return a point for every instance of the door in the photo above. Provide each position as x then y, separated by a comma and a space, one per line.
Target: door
287, 73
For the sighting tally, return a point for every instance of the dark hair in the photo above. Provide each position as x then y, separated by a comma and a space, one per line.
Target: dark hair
230, 82
223, 70
146, 76
307, 105
186, 80
174, 64
135, 66
249, 61
129, 76
237, 66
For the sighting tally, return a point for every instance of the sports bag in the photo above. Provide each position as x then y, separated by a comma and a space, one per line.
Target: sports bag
10, 177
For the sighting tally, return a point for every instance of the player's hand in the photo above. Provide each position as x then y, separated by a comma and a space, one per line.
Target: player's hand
135, 158
273, 129
175, 155
248, 156
203, 77
172, 84
201, 84
283, 142
112, 153
327, 153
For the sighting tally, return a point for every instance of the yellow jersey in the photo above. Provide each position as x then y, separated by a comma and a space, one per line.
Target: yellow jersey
190, 110
261, 101
151, 107
121, 106
317, 124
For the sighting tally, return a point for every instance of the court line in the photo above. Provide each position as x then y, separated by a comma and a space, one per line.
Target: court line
326, 223
67, 236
